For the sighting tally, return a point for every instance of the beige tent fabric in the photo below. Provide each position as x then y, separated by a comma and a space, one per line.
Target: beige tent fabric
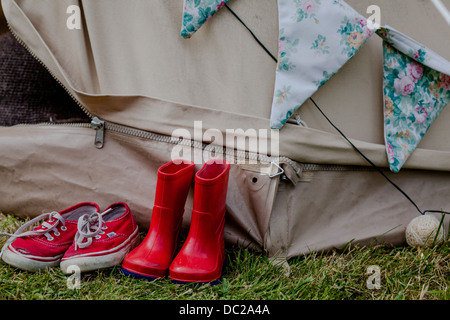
332, 209
51, 167
129, 65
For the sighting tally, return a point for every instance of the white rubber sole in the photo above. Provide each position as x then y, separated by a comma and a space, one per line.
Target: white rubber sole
85, 263
27, 263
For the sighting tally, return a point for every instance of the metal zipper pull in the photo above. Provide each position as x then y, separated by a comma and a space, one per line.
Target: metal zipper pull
279, 173
99, 127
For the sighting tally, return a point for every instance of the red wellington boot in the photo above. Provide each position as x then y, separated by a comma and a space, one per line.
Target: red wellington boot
201, 258
152, 258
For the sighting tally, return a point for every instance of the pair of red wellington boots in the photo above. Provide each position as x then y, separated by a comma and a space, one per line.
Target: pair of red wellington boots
201, 257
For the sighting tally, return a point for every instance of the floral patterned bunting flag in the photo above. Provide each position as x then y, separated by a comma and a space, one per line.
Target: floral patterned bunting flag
196, 13
415, 93
317, 37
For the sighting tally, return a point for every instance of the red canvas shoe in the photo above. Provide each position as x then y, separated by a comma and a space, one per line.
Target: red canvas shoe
103, 239
45, 245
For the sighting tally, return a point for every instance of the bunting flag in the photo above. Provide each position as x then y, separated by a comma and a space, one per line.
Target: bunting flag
317, 37
196, 13
416, 90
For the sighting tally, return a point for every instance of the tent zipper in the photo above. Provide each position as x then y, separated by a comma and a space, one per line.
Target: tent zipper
100, 126
97, 124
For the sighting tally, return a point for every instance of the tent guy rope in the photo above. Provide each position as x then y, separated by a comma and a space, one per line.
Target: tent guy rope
442, 10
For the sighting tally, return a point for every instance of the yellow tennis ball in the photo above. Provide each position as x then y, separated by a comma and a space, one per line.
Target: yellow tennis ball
422, 230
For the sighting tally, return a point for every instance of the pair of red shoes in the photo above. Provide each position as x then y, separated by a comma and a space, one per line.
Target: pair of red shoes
79, 236
201, 257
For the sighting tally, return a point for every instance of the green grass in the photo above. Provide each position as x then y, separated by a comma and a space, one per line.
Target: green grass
405, 274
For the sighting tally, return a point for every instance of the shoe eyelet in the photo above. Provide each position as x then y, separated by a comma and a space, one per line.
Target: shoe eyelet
97, 237
56, 233
50, 239
104, 227
63, 228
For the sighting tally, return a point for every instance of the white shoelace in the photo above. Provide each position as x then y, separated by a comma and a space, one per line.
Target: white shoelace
47, 228
89, 226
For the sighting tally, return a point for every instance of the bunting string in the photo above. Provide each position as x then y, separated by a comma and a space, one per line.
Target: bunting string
379, 170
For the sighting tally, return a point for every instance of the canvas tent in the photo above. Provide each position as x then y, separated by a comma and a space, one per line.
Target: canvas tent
128, 66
